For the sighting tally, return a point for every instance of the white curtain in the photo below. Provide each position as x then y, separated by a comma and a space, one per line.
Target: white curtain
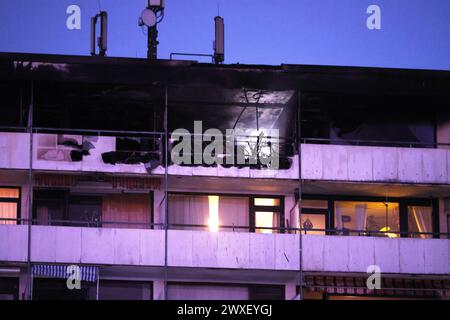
267, 220
357, 212
421, 218
206, 292
186, 209
360, 216
233, 211
8, 210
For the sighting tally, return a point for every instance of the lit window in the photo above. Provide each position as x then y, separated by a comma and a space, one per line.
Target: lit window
271, 202
313, 224
420, 220
213, 221
355, 217
9, 204
267, 215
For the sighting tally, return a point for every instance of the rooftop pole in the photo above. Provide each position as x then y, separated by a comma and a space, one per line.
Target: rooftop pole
300, 186
29, 290
166, 186
150, 17
152, 42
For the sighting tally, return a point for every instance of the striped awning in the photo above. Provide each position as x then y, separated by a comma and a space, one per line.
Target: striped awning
87, 273
356, 286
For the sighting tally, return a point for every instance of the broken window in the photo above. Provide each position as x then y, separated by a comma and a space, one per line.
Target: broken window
368, 120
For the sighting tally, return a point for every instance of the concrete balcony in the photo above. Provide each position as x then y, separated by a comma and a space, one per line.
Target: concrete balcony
139, 247
224, 250
233, 250
319, 162
48, 154
51, 244
375, 164
355, 254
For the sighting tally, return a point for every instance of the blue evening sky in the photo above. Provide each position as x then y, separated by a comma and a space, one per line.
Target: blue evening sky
414, 34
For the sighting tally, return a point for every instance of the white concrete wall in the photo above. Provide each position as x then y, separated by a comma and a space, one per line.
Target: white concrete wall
236, 250
355, 254
13, 243
378, 164
230, 250
14, 150
97, 246
82, 245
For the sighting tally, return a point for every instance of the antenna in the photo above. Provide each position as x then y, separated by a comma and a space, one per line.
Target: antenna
150, 17
102, 41
219, 42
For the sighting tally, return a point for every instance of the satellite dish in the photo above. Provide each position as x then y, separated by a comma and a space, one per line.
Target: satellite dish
148, 18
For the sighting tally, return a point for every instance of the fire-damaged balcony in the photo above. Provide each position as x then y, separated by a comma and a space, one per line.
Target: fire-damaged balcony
223, 250
126, 152
141, 154
93, 116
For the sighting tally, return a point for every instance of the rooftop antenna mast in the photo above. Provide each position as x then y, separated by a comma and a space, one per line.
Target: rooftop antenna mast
218, 44
102, 40
150, 17
219, 41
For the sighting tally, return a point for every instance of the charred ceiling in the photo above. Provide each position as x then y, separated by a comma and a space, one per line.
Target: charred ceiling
185, 73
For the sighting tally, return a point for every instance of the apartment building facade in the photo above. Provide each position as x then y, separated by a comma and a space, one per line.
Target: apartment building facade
89, 186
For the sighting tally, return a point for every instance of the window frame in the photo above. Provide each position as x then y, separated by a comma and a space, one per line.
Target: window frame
404, 203
66, 201
17, 201
252, 288
252, 208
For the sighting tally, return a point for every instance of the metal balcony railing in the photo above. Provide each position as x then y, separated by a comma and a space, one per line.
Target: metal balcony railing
374, 143
228, 228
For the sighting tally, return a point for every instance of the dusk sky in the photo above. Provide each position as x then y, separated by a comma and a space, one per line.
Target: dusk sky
414, 33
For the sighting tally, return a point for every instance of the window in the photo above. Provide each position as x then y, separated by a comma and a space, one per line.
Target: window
225, 213
9, 288
367, 119
124, 290
314, 216
115, 210
49, 206
9, 205
85, 210
354, 217
267, 214
266, 292
56, 289
206, 292
420, 220
194, 211
369, 216
185, 291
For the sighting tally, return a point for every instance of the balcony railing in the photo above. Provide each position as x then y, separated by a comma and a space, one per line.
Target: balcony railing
375, 143
78, 146
230, 250
229, 228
